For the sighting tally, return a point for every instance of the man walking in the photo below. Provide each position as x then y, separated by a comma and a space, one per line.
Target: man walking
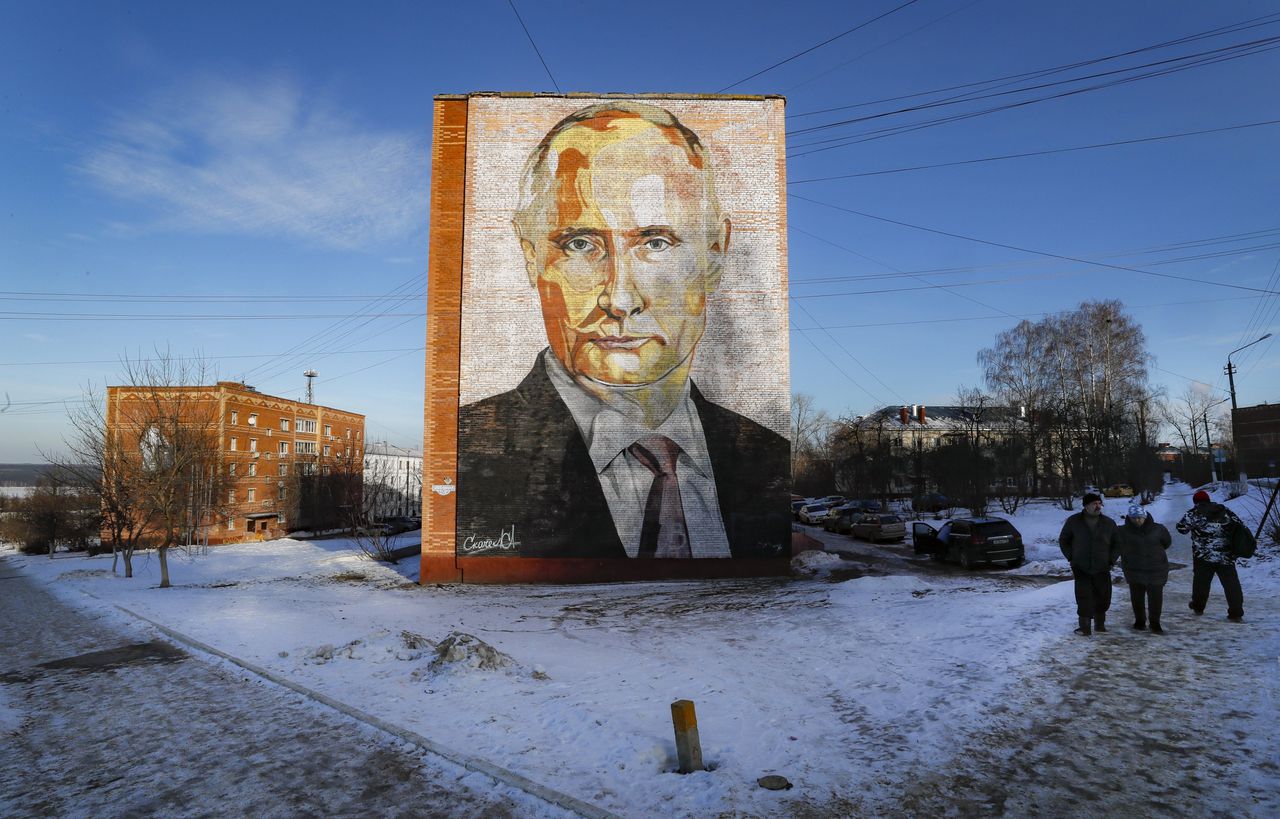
1088, 542
1210, 527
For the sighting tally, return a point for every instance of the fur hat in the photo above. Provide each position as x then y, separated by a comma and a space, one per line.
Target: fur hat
1201, 497
1090, 497
1136, 510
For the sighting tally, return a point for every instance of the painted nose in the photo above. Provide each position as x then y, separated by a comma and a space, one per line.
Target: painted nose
621, 296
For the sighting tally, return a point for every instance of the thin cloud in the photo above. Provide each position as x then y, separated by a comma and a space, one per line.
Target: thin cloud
263, 159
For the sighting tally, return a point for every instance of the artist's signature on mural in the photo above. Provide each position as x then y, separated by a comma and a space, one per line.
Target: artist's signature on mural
504, 542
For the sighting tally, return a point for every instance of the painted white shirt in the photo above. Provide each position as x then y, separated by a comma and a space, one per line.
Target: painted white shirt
626, 482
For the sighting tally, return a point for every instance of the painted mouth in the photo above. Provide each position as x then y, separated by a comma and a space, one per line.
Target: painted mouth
621, 342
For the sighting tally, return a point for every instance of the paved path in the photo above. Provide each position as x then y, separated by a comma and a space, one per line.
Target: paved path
96, 721
1184, 724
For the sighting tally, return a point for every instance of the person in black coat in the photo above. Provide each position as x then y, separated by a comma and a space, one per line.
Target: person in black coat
1209, 525
1143, 544
1087, 540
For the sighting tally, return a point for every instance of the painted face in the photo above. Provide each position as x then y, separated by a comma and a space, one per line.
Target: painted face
624, 250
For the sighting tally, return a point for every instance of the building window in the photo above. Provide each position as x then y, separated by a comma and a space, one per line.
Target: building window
305, 447
253, 470
253, 419
280, 493
284, 448
231, 496
348, 434
326, 450
253, 444
328, 431
305, 426
235, 417
231, 470
253, 494
282, 469
284, 424
231, 524
235, 444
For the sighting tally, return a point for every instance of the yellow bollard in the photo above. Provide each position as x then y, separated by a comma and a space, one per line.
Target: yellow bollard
688, 746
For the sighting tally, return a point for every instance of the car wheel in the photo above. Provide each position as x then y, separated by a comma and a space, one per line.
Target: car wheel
966, 562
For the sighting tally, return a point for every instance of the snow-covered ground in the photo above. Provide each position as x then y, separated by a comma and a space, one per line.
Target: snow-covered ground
856, 691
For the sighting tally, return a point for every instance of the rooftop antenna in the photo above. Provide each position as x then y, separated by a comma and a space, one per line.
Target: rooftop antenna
310, 374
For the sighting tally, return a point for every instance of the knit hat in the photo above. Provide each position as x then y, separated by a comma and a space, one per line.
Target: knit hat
1090, 497
1200, 497
1136, 510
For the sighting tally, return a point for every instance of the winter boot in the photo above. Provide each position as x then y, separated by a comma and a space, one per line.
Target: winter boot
1085, 627
1155, 627
1139, 625
1100, 625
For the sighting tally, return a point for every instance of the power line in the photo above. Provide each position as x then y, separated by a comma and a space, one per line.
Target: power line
1232, 28
883, 45
1029, 250
208, 358
15, 316
1045, 152
847, 351
832, 143
818, 46
545, 67
35, 295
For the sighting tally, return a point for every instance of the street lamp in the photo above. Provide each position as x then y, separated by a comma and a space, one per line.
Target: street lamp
1231, 370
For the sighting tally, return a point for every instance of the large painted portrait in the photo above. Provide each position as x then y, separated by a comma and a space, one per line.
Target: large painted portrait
623, 381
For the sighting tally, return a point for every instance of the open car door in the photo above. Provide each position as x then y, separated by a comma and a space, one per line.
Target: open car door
924, 539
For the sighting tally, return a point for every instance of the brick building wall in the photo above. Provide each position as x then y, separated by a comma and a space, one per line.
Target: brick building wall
1256, 433
263, 441
479, 281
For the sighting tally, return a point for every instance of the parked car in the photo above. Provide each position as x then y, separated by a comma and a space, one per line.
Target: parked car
401, 523
796, 506
814, 513
1118, 490
970, 541
876, 527
931, 502
840, 518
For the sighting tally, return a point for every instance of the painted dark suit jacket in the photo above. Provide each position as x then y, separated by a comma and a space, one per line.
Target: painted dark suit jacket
522, 462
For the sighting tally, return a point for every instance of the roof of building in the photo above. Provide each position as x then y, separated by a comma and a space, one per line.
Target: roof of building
942, 417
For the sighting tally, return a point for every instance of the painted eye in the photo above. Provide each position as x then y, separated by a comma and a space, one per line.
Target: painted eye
657, 244
579, 245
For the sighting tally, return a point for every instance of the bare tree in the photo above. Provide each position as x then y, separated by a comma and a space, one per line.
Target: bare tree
164, 425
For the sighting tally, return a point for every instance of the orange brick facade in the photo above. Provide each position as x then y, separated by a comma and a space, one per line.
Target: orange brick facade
262, 441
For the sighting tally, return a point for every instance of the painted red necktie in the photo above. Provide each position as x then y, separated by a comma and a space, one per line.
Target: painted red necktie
664, 533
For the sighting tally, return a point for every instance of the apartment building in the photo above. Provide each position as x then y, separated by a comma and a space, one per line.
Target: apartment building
268, 450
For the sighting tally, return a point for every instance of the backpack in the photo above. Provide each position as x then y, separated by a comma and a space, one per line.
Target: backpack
1241, 541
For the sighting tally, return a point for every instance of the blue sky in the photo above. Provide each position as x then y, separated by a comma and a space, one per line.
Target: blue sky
250, 168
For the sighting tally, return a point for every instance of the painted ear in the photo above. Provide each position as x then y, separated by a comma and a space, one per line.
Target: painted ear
717, 252
530, 261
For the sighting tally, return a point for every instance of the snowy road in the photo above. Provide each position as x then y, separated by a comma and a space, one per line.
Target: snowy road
97, 722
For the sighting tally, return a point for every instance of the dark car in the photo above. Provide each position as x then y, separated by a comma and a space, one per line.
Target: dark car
398, 524
876, 527
931, 502
970, 541
841, 518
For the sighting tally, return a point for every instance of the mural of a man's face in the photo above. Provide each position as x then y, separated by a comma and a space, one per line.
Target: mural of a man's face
624, 245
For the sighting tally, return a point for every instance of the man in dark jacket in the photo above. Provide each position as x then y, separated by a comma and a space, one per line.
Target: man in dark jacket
1088, 542
1209, 525
1146, 566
